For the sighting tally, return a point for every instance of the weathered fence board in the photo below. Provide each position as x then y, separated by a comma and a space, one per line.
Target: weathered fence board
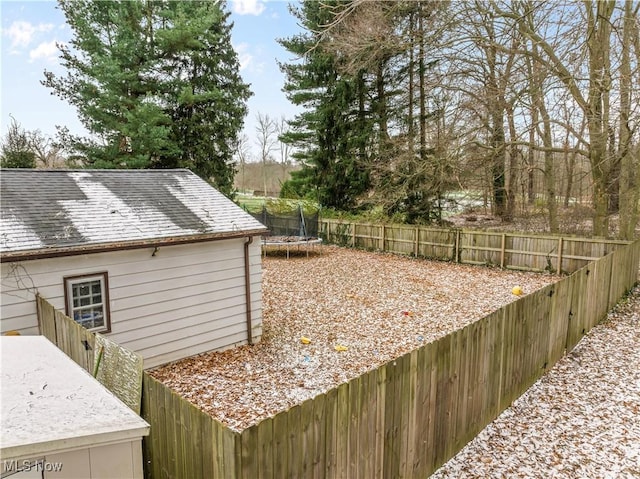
559, 318
119, 370
409, 416
597, 295
264, 449
559, 254
319, 435
578, 319
443, 404
308, 444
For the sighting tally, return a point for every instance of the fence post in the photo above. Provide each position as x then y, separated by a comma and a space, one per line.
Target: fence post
560, 246
382, 237
416, 246
353, 234
502, 248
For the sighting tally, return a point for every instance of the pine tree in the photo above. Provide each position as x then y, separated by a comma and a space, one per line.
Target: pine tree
330, 134
358, 137
16, 150
156, 83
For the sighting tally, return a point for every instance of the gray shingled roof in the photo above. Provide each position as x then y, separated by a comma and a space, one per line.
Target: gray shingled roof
71, 209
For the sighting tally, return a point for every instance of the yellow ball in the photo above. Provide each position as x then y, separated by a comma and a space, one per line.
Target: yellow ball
517, 290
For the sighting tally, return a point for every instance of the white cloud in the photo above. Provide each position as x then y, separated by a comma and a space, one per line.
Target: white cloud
45, 51
21, 33
247, 59
248, 7
244, 57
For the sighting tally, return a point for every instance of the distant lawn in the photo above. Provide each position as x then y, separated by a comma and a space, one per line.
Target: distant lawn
254, 204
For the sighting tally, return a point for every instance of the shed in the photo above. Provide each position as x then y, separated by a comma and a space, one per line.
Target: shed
158, 260
57, 421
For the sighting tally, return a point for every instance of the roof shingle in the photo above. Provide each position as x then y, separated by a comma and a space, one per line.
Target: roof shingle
45, 209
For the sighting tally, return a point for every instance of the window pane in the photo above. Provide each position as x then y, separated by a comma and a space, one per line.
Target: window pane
98, 317
82, 317
90, 317
87, 303
92, 321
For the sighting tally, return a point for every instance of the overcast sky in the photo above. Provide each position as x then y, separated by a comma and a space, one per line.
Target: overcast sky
31, 29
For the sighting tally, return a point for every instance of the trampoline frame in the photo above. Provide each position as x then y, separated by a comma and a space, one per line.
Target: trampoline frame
271, 241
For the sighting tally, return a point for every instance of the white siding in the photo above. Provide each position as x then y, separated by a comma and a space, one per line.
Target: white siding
121, 460
185, 300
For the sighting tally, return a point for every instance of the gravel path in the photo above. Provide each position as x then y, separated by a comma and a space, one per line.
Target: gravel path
581, 420
355, 309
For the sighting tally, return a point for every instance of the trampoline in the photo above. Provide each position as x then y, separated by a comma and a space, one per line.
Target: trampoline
289, 242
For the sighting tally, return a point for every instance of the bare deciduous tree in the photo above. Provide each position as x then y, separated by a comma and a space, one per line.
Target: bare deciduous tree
629, 162
267, 139
241, 152
282, 127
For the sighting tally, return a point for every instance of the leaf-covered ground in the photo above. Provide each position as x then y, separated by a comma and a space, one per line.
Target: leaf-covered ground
355, 310
581, 420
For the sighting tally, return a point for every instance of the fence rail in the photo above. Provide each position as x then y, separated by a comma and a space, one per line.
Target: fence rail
529, 252
409, 416
403, 419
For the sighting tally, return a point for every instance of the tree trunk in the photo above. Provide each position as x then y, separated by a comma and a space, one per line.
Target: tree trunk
382, 107
598, 42
570, 166
423, 95
537, 93
498, 158
496, 117
362, 117
532, 133
629, 164
513, 164
412, 64
596, 106
549, 172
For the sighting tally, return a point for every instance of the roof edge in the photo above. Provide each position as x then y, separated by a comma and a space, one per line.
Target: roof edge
89, 170
56, 252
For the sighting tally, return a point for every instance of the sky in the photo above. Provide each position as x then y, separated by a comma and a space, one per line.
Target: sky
31, 29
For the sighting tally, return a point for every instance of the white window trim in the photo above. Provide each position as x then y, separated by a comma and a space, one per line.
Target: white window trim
70, 281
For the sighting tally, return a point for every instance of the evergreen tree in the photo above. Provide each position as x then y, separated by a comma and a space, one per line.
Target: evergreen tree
156, 83
360, 139
16, 150
330, 135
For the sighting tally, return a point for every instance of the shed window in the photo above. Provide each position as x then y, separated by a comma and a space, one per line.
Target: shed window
87, 301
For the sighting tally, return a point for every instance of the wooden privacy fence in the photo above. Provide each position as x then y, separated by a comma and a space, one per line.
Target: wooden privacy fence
119, 370
529, 252
410, 415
